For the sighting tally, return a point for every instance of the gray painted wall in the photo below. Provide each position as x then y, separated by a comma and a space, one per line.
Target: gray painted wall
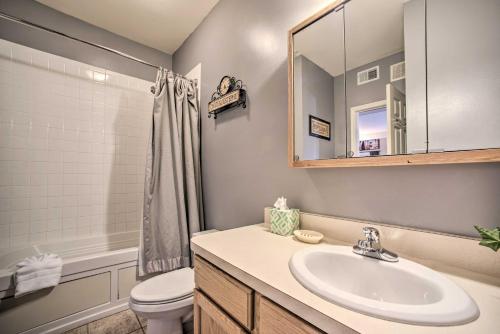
317, 100
44, 41
245, 151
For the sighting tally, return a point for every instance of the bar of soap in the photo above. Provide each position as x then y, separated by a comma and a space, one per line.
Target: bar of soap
308, 236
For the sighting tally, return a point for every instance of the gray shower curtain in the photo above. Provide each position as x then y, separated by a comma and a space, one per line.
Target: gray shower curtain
173, 205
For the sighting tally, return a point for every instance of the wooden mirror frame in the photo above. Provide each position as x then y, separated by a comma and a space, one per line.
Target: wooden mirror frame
452, 157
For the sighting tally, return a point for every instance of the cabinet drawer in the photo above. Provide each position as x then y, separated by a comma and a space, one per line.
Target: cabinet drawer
273, 319
210, 319
232, 296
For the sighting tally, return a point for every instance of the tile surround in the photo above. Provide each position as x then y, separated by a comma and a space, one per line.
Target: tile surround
73, 141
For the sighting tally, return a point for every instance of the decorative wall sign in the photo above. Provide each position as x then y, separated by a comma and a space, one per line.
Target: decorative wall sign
319, 128
229, 94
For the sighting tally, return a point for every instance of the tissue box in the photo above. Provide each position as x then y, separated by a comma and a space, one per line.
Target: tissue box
284, 222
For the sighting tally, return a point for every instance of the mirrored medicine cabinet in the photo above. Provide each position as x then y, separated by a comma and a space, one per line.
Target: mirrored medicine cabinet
395, 82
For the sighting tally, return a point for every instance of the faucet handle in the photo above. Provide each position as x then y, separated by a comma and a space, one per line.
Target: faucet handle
371, 246
371, 234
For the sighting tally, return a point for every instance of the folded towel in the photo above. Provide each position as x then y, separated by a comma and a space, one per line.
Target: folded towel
37, 272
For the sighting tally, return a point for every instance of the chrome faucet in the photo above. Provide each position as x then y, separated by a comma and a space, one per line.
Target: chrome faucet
371, 246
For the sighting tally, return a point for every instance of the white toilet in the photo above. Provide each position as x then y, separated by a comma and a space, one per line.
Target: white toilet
165, 301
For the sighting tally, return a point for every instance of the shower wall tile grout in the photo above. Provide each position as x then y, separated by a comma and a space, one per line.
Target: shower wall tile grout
72, 148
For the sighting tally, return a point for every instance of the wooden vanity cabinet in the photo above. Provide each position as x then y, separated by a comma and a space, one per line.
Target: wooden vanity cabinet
224, 305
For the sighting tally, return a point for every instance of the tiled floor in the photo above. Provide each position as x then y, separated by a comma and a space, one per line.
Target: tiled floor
125, 322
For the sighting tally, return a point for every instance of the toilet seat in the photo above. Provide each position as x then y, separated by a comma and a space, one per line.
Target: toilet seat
165, 295
170, 288
160, 308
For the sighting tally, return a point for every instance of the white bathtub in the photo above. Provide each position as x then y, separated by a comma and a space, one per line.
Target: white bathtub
97, 276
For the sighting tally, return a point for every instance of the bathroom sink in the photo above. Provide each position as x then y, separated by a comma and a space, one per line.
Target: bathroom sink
402, 291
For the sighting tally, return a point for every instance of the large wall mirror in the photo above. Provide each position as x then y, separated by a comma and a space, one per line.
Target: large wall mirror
395, 82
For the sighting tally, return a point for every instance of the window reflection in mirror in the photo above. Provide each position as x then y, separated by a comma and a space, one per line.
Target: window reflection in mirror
319, 89
371, 129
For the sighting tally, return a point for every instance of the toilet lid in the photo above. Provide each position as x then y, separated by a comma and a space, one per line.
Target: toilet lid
165, 287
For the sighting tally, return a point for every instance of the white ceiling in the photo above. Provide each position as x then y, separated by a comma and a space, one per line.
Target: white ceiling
374, 30
160, 24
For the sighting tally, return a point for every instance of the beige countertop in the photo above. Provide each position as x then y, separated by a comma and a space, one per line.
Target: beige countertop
259, 259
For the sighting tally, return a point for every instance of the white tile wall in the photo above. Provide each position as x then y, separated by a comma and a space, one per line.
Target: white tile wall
73, 141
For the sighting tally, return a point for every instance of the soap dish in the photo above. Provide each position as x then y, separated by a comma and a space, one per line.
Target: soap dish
311, 237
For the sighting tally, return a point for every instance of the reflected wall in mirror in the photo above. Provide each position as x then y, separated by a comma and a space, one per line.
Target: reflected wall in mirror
350, 69
319, 87
376, 80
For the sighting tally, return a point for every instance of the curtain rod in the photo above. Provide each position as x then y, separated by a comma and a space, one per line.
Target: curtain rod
102, 47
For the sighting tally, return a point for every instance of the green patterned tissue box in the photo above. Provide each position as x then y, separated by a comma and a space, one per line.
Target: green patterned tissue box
284, 222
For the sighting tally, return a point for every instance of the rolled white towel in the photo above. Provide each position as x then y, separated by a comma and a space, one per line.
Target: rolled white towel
37, 272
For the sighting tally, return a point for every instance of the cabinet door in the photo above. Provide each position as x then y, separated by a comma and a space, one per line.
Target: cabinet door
463, 62
229, 294
272, 319
210, 319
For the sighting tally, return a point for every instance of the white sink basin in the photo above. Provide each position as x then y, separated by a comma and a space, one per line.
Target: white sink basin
403, 291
